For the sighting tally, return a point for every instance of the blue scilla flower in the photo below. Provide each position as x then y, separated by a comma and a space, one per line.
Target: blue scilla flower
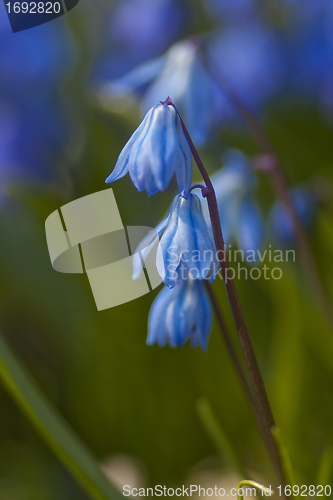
155, 152
179, 314
280, 223
181, 75
240, 216
184, 237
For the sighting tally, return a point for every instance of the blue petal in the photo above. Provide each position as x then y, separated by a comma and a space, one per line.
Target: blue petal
179, 315
157, 152
201, 240
139, 76
280, 221
169, 249
173, 79
186, 236
203, 317
197, 103
186, 81
156, 322
145, 247
121, 167
281, 225
250, 230
184, 166
140, 173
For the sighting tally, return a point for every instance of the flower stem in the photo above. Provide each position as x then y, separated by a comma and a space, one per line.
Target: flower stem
236, 362
227, 339
279, 182
264, 409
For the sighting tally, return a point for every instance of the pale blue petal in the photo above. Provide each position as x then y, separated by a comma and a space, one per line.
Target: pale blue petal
186, 236
139, 76
198, 105
156, 153
250, 230
156, 322
145, 247
179, 317
203, 318
169, 249
184, 166
140, 172
162, 145
181, 313
121, 167
197, 240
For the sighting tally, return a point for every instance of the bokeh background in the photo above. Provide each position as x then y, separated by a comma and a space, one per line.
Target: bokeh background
134, 405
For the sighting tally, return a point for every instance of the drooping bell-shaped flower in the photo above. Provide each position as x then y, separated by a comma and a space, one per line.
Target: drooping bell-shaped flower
180, 74
280, 222
179, 314
184, 237
240, 216
155, 152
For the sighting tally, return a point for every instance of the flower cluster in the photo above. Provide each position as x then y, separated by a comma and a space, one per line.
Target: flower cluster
186, 255
156, 151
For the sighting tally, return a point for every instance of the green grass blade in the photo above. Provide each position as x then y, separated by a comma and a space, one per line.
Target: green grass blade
217, 435
286, 461
53, 428
325, 468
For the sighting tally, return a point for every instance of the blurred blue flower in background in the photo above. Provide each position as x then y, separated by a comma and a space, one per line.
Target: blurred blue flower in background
240, 215
187, 82
249, 56
226, 9
179, 314
140, 30
309, 49
32, 119
246, 53
146, 27
155, 152
181, 75
280, 222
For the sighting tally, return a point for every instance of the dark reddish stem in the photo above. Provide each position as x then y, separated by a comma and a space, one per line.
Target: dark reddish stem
229, 344
237, 364
204, 190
